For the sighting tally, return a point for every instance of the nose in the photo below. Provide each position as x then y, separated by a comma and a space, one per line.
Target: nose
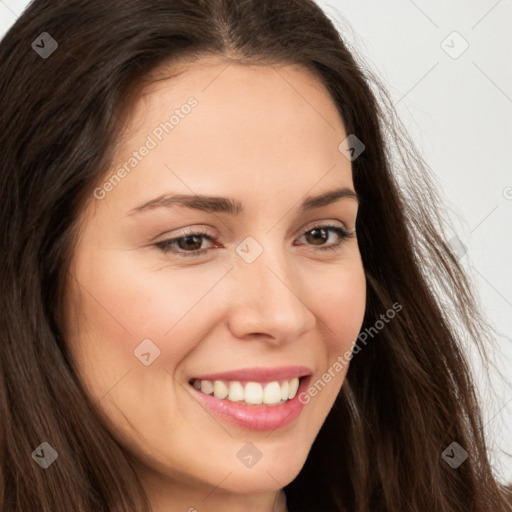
269, 300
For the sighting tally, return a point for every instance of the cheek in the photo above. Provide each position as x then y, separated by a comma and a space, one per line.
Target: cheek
123, 305
340, 308
342, 304
125, 312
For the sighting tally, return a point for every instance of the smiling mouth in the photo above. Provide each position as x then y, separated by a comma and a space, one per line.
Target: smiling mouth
250, 392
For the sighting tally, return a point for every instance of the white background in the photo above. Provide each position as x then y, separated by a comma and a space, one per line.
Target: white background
459, 112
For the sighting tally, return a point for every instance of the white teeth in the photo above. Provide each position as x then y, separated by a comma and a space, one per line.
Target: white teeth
294, 385
206, 387
220, 390
254, 393
272, 393
284, 390
236, 391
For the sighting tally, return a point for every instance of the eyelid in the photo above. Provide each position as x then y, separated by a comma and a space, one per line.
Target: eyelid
191, 230
322, 223
342, 231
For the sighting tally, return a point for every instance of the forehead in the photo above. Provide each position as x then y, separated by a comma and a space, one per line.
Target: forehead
270, 128
261, 98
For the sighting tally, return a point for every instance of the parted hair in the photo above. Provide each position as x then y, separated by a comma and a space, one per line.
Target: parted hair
409, 392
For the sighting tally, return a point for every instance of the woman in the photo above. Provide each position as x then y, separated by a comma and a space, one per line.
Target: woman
216, 293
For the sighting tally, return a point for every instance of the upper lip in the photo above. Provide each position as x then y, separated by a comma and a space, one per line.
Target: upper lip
259, 374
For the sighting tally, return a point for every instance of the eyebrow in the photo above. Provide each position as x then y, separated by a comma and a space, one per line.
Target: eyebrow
216, 204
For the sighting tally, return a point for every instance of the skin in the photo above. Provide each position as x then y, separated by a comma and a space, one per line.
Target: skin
267, 137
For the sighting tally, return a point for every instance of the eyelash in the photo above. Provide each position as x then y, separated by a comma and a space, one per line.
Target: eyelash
166, 245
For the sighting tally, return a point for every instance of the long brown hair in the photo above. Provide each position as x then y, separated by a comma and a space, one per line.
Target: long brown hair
408, 394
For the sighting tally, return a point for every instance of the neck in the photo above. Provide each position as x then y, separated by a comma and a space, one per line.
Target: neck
219, 502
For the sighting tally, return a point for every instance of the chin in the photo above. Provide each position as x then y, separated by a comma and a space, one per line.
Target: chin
275, 469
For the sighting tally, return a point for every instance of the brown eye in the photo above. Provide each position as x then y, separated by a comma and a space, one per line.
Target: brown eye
189, 242
187, 245
319, 235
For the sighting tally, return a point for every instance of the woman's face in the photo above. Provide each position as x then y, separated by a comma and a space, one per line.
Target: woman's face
267, 294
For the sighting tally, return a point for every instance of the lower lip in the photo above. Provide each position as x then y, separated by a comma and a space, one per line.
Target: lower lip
255, 417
